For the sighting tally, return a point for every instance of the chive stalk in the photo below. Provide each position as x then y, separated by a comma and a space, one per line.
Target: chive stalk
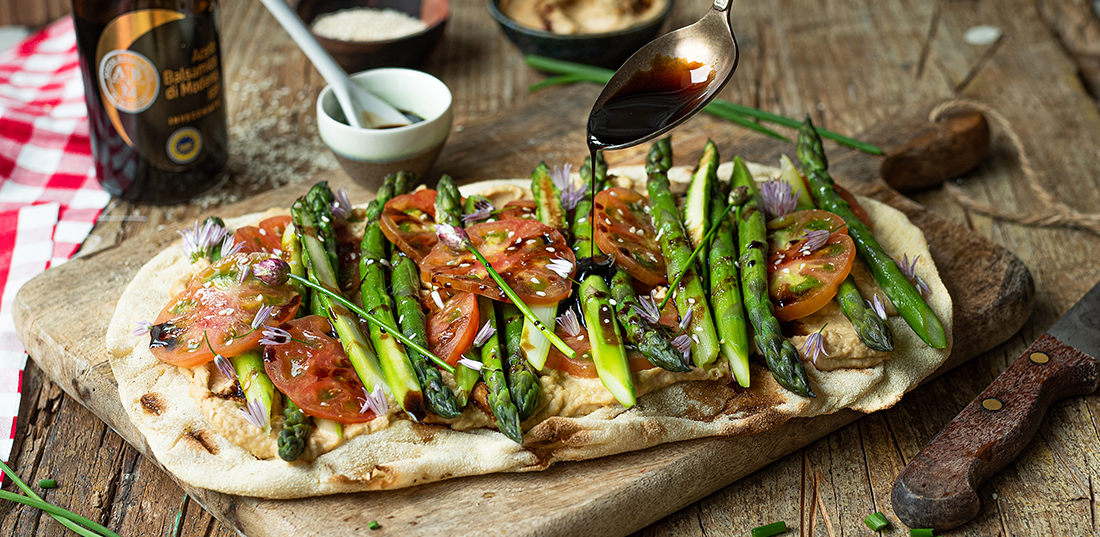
775, 528
876, 521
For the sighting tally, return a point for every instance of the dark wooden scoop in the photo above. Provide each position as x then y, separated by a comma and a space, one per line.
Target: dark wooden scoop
922, 154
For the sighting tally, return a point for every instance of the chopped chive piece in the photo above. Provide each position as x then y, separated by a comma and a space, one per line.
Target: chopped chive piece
373, 525
921, 532
47, 483
775, 528
876, 521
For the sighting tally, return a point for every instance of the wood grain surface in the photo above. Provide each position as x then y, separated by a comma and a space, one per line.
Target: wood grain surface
849, 64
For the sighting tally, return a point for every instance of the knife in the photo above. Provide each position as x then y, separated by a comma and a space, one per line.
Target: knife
938, 488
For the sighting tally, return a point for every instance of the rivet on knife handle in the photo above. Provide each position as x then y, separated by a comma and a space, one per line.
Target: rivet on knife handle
938, 488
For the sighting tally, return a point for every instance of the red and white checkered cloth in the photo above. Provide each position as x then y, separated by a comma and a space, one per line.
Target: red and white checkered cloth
49, 198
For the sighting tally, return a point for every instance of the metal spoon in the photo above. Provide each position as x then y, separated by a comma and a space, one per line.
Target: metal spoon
362, 109
627, 122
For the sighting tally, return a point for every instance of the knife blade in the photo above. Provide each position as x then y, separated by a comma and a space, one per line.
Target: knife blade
938, 488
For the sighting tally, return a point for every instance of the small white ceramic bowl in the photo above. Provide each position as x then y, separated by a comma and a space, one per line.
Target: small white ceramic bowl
368, 155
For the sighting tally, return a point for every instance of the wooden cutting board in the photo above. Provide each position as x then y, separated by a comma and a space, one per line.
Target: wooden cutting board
63, 314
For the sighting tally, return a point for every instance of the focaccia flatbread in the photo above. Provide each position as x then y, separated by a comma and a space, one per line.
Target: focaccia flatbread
170, 407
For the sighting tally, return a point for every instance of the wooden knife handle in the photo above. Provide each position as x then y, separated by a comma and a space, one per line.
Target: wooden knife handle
938, 488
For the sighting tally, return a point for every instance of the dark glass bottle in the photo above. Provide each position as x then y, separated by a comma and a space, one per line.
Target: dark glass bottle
156, 102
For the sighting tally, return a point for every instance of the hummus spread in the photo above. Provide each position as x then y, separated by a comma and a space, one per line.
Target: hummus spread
570, 17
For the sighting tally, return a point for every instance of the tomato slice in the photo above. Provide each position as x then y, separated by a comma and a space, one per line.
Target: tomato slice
216, 304
408, 221
802, 281
451, 330
267, 237
314, 372
520, 250
625, 230
581, 365
519, 210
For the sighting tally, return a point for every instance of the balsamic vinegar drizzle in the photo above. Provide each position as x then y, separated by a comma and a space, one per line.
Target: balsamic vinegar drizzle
650, 101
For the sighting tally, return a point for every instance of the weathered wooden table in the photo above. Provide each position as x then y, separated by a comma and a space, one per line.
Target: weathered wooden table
846, 63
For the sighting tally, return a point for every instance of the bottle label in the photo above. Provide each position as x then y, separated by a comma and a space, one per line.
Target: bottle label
159, 74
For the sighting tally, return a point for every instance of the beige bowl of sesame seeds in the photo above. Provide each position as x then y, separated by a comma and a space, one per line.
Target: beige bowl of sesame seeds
368, 155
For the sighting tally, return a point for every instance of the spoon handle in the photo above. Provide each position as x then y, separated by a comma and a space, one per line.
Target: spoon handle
331, 71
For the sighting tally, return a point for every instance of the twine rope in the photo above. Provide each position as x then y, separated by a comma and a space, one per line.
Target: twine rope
1058, 214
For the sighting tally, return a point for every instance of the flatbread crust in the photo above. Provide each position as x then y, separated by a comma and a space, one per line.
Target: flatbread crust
181, 436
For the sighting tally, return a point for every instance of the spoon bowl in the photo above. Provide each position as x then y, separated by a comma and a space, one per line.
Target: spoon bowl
665, 82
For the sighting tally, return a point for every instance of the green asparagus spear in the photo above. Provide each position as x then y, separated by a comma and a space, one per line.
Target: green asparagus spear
448, 203
401, 376
780, 354
725, 290
547, 198
653, 343
254, 381
549, 210
583, 246
872, 329
405, 281
901, 293
523, 385
466, 378
393, 185
608, 352
697, 203
492, 370
319, 202
293, 249
321, 273
688, 294
296, 429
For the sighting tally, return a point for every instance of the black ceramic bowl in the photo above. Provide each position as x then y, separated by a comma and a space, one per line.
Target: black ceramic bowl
608, 49
408, 51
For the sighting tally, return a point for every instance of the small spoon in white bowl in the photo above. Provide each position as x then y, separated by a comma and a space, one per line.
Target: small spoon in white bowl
362, 109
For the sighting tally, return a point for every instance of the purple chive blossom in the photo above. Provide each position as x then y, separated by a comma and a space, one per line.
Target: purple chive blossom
779, 200
909, 269
878, 307
647, 309
224, 367
472, 364
255, 412
571, 193
561, 267
272, 271
487, 331
142, 328
686, 320
682, 343
375, 401
814, 345
908, 266
341, 206
262, 316
200, 239
483, 209
453, 237
274, 336
229, 246
569, 323
815, 239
